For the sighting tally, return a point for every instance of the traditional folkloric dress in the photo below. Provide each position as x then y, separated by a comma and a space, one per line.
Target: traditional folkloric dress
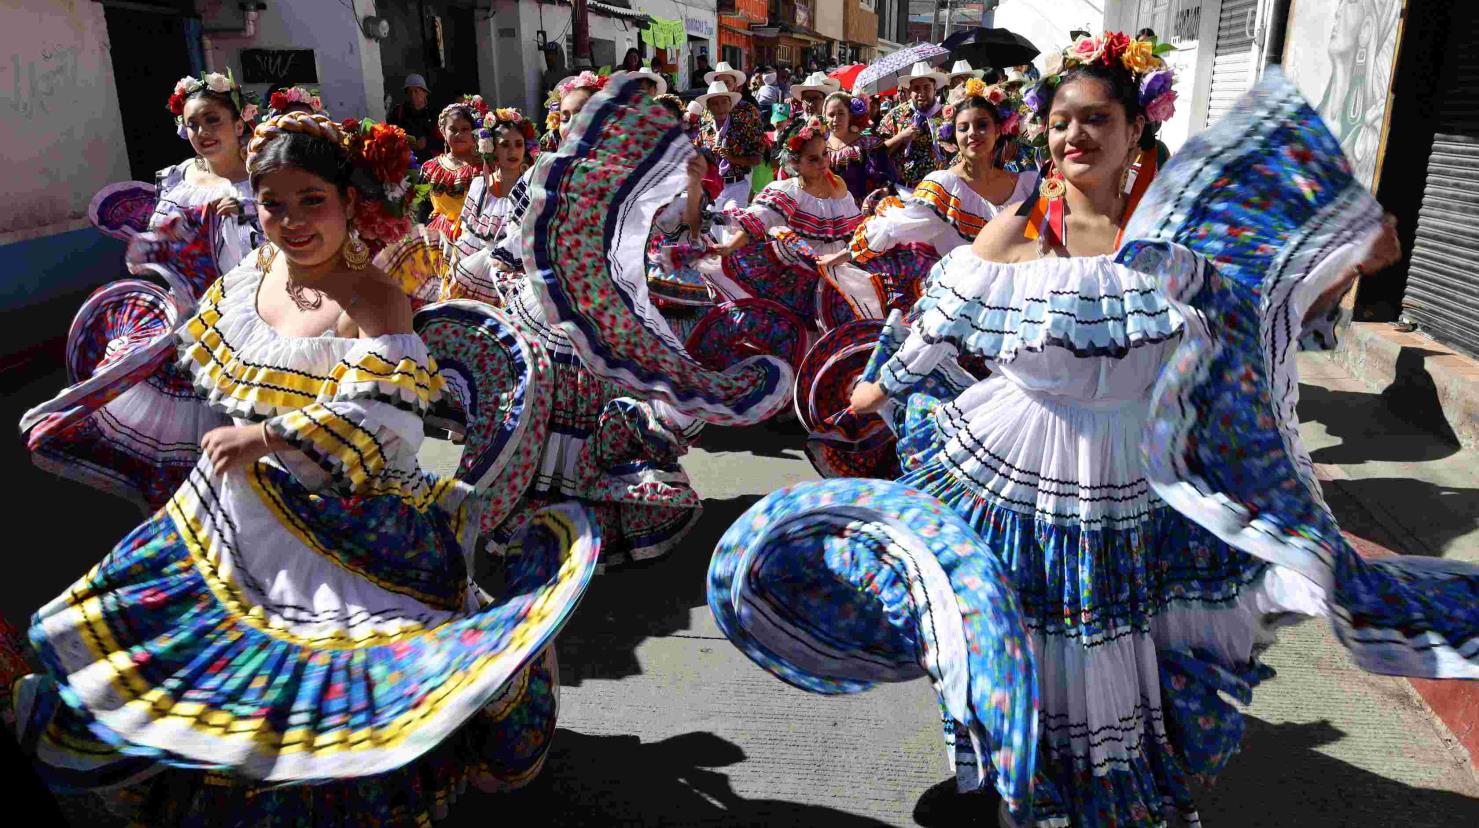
677, 287
743, 135
922, 155
767, 268
238, 236
130, 424
488, 221
309, 621
449, 180
615, 453
1141, 623
903, 239
865, 165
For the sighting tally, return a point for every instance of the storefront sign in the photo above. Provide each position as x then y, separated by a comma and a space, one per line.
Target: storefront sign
699, 26
278, 66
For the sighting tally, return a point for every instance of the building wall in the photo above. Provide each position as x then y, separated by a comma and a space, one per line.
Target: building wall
350, 81
63, 132
831, 19
1340, 54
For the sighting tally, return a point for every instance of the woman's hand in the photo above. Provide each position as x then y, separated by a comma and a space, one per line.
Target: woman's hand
1384, 249
233, 447
228, 206
840, 257
868, 398
697, 168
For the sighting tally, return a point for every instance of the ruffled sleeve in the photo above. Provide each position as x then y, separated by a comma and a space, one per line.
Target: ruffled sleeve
1089, 306
896, 222
773, 207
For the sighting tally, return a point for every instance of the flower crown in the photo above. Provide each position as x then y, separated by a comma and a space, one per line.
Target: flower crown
1005, 97
215, 82
467, 103
382, 168
801, 137
857, 107
285, 98
1141, 58
587, 80
502, 119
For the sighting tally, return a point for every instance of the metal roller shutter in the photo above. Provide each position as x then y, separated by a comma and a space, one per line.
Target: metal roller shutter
1443, 278
1233, 65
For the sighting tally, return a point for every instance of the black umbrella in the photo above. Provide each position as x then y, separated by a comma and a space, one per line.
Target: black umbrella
990, 48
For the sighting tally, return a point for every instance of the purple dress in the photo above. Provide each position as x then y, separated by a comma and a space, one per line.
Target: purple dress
865, 165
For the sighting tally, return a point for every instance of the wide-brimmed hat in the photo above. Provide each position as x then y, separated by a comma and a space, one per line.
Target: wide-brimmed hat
923, 71
816, 82
716, 89
725, 69
963, 69
416, 82
648, 74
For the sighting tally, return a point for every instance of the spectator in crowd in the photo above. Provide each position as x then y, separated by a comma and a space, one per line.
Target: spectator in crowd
632, 62
418, 119
770, 93
701, 67
1146, 33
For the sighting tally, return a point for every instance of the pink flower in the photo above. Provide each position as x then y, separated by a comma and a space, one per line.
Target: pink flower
1163, 108
1086, 49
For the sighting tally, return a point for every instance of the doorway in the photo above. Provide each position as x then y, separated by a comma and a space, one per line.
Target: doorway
151, 50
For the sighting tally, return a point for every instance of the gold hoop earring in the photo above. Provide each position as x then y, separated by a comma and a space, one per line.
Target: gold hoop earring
355, 252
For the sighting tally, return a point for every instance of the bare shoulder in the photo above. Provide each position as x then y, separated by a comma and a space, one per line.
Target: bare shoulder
382, 308
1004, 238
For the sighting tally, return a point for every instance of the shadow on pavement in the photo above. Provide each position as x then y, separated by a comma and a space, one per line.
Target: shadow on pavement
1406, 515
1281, 778
1402, 424
633, 603
758, 440
620, 780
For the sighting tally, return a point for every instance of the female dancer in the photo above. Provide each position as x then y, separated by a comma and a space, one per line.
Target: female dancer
854, 152
949, 207
144, 440
814, 205
506, 143
299, 619
213, 115
1097, 698
452, 173
617, 455
566, 101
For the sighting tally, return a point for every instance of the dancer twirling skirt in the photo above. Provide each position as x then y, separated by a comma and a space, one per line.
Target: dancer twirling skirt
298, 620
1143, 619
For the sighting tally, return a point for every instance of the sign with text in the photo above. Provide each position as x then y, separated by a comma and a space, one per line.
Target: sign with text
278, 66
699, 26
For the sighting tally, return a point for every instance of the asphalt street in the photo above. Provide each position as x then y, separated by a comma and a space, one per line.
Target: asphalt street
663, 722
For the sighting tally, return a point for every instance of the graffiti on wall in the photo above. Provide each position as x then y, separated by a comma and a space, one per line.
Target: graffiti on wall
1340, 55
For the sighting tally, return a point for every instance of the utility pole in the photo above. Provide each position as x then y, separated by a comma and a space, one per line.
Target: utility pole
949, 18
581, 23
935, 20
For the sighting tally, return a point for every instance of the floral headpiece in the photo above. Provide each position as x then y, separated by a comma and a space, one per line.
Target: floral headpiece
468, 103
381, 169
1005, 97
801, 137
282, 99
858, 109
1142, 58
215, 82
502, 119
587, 80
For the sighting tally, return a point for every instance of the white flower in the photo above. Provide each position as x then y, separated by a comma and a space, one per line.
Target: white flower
249, 112
218, 82
397, 190
486, 146
182, 86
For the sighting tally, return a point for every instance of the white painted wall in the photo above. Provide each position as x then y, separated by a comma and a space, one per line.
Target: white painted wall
1047, 24
63, 135
350, 80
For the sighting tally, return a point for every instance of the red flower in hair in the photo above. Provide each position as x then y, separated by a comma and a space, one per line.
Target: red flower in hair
278, 102
377, 226
387, 152
1115, 44
177, 103
349, 126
